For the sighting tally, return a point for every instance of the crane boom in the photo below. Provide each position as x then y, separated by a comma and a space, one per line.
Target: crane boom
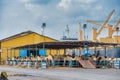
106, 21
97, 24
116, 25
108, 18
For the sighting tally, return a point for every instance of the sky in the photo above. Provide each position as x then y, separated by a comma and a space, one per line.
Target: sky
17, 16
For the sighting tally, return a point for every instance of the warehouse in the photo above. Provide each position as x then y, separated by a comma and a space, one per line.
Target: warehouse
29, 43
21, 39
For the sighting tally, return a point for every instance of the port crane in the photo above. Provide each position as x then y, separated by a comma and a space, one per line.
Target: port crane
102, 26
115, 26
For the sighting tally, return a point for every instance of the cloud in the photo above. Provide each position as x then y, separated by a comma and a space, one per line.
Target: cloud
29, 6
87, 1
98, 7
24, 1
65, 4
40, 2
36, 2
30, 14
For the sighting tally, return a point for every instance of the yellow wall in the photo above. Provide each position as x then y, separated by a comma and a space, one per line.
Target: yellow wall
32, 38
81, 35
109, 31
0, 45
37, 39
55, 52
107, 40
19, 41
94, 35
115, 39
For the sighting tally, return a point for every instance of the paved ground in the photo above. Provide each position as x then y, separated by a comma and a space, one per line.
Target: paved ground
61, 74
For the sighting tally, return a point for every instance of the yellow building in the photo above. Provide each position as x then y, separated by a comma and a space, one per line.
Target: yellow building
115, 39
21, 39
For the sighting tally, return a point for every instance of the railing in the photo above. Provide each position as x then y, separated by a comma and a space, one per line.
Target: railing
61, 63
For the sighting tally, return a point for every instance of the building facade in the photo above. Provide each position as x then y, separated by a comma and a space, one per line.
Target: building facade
21, 39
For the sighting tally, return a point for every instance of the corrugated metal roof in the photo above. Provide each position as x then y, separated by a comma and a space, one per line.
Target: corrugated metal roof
66, 44
22, 34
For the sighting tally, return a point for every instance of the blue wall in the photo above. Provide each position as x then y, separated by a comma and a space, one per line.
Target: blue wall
42, 52
23, 53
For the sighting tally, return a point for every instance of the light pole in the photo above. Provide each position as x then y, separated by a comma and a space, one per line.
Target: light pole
84, 27
117, 30
43, 27
85, 46
43, 62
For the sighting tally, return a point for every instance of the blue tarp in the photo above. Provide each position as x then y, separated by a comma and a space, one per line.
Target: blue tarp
23, 53
42, 52
87, 53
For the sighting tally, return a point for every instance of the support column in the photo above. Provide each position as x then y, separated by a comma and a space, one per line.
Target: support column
95, 50
64, 51
116, 55
0, 58
7, 54
105, 52
105, 56
81, 35
79, 51
36, 63
36, 54
109, 31
7, 61
29, 52
94, 35
29, 61
50, 51
14, 53
59, 52
14, 61
10, 53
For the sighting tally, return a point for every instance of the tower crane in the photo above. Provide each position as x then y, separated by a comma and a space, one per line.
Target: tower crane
102, 26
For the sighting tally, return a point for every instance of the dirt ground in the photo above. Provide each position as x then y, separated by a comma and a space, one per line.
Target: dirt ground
15, 73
